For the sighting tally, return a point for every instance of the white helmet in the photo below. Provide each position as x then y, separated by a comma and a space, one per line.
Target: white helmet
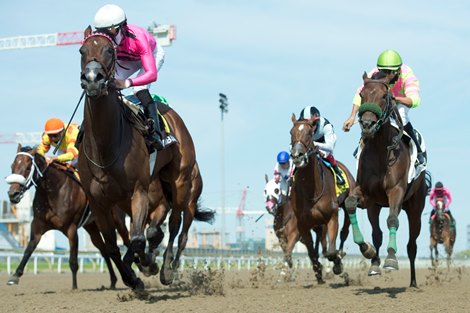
109, 15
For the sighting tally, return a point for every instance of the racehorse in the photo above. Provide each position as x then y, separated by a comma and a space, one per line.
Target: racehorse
59, 203
314, 198
285, 222
382, 177
115, 165
441, 232
114, 159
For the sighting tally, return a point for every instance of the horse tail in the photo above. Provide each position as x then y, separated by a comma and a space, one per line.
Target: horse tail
204, 214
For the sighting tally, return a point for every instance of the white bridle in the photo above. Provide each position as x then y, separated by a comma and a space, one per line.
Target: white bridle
26, 182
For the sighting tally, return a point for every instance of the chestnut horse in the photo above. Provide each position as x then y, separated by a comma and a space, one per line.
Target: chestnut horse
59, 203
442, 232
382, 177
314, 199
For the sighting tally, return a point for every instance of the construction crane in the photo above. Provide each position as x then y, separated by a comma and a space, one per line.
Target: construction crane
241, 214
165, 35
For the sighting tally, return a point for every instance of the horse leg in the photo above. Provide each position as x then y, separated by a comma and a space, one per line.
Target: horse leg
307, 240
292, 237
414, 208
166, 273
73, 258
119, 217
104, 220
333, 254
37, 230
188, 216
344, 233
395, 197
97, 241
140, 204
351, 202
373, 214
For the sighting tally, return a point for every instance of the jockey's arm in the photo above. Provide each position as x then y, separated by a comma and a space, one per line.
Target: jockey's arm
431, 198
150, 69
407, 101
44, 146
449, 198
330, 139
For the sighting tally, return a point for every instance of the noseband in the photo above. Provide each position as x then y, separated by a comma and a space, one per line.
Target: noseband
26, 182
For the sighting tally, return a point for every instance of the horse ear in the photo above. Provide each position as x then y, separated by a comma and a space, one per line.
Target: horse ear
266, 177
87, 32
364, 76
293, 118
19, 148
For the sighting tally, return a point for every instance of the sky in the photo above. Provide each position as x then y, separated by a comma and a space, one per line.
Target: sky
271, 59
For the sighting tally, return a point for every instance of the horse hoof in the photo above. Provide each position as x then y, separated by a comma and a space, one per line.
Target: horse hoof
338, 268
391, 264
367, 250
374, 270
166, 277
150, 270
13, 281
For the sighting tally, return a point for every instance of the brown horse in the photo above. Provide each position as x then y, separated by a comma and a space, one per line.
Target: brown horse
59, 203
314, 199
443, 232
382, 177
114, 159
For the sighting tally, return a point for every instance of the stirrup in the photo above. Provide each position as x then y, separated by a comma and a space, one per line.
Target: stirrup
340, 180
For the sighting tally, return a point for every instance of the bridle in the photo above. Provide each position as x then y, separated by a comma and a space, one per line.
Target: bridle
26, 182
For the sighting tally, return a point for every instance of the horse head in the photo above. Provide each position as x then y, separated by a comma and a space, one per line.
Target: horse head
97, 63
302, 141
376, 105
272, 192
25, 170
440, 210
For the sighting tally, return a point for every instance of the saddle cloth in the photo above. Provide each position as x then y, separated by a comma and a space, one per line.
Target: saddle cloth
339, 188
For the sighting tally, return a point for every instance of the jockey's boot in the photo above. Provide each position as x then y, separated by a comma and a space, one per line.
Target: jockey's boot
339, 177
150, 110
79, 136
410, 130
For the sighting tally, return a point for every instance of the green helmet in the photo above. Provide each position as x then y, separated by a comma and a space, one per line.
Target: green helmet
389, 60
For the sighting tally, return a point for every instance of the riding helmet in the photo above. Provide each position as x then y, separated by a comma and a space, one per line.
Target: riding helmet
309, 112
53, 126
108, 16
389, 60
439, 185
283, 157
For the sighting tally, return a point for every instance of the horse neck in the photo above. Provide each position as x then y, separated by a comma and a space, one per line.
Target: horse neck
103, 122
51, 182
310, 175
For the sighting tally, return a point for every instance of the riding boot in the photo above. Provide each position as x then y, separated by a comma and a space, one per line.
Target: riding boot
339, 178
150, 110
411, 132
79, 136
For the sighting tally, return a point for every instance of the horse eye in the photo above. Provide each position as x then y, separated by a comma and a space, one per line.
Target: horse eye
276, 191
110, 51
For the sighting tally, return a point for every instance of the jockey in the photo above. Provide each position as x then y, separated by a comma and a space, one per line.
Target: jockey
440, 193
137, 52
324, 137
283, 171
54, 129
405, 88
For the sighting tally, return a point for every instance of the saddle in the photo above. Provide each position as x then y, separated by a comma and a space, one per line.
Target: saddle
133, 103
338, 188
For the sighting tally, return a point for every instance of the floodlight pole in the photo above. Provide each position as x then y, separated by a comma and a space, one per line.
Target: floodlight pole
223, 106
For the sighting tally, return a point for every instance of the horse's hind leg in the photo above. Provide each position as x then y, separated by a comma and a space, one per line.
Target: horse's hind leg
344, 233
37, 230
166, 273
97, 241
188, 216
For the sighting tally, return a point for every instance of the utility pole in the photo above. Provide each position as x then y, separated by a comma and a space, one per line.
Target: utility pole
223, 109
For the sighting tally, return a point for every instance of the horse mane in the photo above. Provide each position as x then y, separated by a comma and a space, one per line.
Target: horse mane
26, 148
378, 75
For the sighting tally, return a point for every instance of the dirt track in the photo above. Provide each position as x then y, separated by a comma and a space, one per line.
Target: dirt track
259, 290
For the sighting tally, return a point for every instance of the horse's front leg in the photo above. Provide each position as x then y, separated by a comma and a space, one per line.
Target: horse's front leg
373, 214
333, 254
395, 200
73, 258
139, 205
351, 202
307, 240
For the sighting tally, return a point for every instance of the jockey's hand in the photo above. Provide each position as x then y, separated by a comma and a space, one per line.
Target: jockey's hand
348, 124
49, 160
121, 83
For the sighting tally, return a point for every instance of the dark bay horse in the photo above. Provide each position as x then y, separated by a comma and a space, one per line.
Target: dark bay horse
59, 203
442, 232
382, 177
314, 199
114, 159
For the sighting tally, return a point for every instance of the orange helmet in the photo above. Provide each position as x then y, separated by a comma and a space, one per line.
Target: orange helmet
53, 126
